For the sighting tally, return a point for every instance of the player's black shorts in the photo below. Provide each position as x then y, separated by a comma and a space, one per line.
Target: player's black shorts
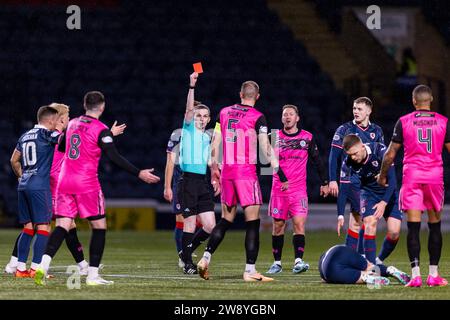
195, 194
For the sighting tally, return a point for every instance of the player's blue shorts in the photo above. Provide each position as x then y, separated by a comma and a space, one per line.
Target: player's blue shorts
369, 200
35, 206
348, 192
340, 264
176, 206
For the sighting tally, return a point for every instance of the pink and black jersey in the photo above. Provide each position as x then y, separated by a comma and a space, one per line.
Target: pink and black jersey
423, 134
293, 151
79, 172
240, 125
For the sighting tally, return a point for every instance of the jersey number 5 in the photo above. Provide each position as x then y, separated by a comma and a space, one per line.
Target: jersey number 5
74, 151
230, 128
427, 139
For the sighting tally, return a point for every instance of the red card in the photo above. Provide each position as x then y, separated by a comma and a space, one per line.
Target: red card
198, 67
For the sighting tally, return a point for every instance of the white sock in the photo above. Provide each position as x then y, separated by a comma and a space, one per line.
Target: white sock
83, 264
278, 262
21, 266
34, 266
297, 260
13, 262
250, 268
378, 261
207, 256
433, 270
45, 263
415, 272
92, 272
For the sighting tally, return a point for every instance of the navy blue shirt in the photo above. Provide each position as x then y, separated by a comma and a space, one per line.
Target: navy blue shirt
371, 133
368, 170
37, 147
173, 146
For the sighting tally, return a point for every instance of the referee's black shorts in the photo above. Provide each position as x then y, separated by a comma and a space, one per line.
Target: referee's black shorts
195, 194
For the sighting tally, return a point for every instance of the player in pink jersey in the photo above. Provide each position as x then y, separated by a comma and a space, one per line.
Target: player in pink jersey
78, 188
423, 134
238, 128
294, 147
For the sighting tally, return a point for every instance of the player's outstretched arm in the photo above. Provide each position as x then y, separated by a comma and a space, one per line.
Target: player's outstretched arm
16, 164
168, 175
118, 129
107, 145
388, 160
189, 114
147, 176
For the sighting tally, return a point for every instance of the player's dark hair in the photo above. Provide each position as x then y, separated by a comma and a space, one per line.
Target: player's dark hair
364, 100
93, 99
350, 140
422, 94
250, 89
202, 106
196, 103
291, 106
45, 112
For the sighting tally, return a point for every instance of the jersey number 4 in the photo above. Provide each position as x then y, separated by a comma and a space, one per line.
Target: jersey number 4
74, 151
427, 139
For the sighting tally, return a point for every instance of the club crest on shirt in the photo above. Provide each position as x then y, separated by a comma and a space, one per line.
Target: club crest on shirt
302, 143
275, 211
372, 135
363, 209
375, 163
178, 206
336, 137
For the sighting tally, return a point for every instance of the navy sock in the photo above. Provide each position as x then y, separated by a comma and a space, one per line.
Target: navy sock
277, 246
298, 240
360, 249
23, 246
370, 248
40, 243
387, 248
351, 240
178, 235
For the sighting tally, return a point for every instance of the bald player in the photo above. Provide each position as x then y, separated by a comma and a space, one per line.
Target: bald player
423, 134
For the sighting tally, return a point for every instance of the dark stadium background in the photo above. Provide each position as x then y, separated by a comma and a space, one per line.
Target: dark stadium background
140, 54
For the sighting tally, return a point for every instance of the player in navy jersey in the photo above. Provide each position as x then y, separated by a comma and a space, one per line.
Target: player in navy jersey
348, 189
342, 265
364, 161
172, 175
31, 162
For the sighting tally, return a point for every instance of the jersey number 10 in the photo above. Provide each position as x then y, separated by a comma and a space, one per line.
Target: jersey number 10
29, 153
427, 139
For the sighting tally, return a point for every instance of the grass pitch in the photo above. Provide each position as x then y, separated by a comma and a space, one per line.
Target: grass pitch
145, 266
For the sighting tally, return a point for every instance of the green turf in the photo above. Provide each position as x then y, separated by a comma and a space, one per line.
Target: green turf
145, 267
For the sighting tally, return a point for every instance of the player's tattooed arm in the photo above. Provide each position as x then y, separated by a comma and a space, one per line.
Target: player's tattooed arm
16, 163
189, 114
388, 160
